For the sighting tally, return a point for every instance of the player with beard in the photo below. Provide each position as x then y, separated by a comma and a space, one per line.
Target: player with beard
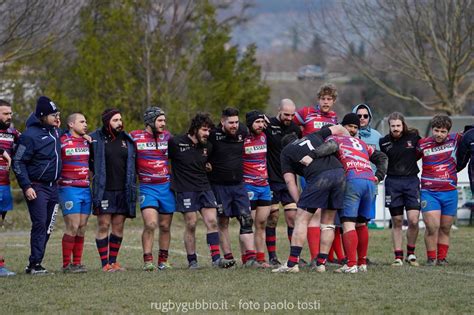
156, 198
256, 179
277, 128
74, 192
112, 160
8, 141
227, 184
402, 185
312, 119
439, 195
189, 155
37, 166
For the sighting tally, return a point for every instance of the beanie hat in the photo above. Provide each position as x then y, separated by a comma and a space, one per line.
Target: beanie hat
351, 119
252, 116
150, 115
108, 114
45, 107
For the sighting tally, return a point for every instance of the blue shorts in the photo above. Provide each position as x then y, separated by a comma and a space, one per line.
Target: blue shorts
75, 200
325, 191
232, 200
280, 193
259, 196
158, 197
6, 201
402, 192
446, 201
195, 200
358, 199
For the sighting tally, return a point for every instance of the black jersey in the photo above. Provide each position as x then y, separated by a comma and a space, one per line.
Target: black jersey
226, 157
116, 155
295, 151
188, 164
275, 131
401, 154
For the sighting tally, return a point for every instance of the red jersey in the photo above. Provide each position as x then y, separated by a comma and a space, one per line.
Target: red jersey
439, 163
354, 155
75, 159
312, 119
255, 160
8, 139
152, 156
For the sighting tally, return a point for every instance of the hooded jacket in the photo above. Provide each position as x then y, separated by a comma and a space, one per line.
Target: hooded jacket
38, 155
368, 134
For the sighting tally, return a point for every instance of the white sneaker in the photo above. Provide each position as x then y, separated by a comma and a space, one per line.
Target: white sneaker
346, 269
285, 268
362, 268
397, 262
411, 260
320, 268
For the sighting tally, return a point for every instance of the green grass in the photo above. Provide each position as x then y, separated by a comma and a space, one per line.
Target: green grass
383, 289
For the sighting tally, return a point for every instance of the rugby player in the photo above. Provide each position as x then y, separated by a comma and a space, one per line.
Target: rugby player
226, 178
157, 201
355, 156
439, 195
465, 153
277, 128
8, 141
256, 179
402, 185
112, 160
189, 155
324, 189
311, 119
74, 192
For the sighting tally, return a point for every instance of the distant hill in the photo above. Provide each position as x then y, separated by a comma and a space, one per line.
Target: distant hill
271, 23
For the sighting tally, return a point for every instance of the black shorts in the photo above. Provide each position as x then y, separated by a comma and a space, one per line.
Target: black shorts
325, 191
232, 200
280, 193
402, 192
195, 200
113, 202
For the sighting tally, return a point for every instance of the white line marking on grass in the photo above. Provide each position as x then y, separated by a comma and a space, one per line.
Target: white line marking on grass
471, 275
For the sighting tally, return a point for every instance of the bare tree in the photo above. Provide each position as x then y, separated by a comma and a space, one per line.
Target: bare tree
28, 26
430, 41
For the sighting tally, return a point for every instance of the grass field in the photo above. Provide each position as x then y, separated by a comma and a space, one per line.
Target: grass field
383, 289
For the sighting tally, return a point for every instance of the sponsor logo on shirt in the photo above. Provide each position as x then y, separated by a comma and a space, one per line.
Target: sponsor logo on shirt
320, 124
152, 146
77, 151
438, 150
256, 149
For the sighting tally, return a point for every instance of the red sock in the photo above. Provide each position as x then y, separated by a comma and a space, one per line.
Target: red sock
337, 244
314, 234
350, 247
442, 251
2, 262
250, 254
363, 244
77, 250
68, 245
331, 253
260, 257
431, 254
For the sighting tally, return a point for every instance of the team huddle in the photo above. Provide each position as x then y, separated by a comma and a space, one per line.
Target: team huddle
324, 176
